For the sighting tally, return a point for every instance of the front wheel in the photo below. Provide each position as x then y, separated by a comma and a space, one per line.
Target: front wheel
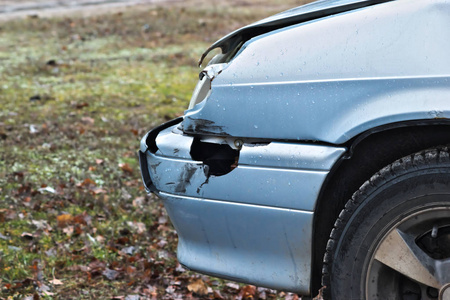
392, 240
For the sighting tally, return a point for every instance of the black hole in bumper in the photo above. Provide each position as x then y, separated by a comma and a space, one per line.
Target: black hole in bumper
144, 170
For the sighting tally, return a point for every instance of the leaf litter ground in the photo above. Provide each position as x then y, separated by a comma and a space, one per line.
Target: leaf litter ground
76, 94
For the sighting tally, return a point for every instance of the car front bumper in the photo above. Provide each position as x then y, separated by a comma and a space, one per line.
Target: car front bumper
251, 225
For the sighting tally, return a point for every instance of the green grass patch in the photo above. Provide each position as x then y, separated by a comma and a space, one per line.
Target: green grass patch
76, 95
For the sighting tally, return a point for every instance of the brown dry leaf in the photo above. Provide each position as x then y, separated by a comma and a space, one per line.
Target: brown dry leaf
80, 219
198, 287
64, 220
98, 190
86, 182
56, 281
81, 105
78, 230
248, 292
96, 267
88, 120
126, 168
131, 269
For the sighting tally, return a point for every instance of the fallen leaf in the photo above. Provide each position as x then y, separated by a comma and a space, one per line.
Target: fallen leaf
248, 292
42, 225
129, 250
180, 268
217, 295
198, 287
64, 220
131, 270
126, 168
33, 129
27, 235
86, 182
88, 120
98, 190
56, 281
138, 226
47, 189
100, 239
81, 105
80, 219
233, 286
292, 296
110, 274
162, 220
68, 230
138, 201
51, 252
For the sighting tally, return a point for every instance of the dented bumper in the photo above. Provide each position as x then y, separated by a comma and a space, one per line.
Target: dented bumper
253, 224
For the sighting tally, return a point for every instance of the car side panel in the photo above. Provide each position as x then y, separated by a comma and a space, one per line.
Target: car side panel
256, 244
332, 78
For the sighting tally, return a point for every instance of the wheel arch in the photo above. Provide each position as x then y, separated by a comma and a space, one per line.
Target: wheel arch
368, 153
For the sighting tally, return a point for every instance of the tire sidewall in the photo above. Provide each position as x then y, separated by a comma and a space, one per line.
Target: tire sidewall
384, 205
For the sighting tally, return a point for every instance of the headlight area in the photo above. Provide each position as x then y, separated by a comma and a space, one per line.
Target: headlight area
203, 87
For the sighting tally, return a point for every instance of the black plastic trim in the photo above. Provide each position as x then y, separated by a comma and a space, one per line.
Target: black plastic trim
151, 137
150, 141
145, 174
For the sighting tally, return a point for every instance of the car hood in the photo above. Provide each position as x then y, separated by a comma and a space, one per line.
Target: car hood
314, 10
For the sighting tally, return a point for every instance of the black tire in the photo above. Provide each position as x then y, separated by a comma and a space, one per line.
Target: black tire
404, 204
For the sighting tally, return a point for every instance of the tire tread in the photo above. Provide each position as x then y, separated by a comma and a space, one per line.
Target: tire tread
415, 161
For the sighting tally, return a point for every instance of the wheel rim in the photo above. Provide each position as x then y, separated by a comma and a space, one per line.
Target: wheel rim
412, 259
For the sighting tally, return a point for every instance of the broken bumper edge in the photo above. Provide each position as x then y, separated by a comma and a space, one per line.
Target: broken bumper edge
251, 225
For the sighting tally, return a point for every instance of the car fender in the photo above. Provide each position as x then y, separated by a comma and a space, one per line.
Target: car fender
333, 78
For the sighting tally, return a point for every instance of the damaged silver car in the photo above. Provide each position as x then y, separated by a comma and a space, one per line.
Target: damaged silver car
313, 154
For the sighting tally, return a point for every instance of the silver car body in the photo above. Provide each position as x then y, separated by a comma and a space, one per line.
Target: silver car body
287, 94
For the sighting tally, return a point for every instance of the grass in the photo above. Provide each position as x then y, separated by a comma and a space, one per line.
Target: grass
76, 94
